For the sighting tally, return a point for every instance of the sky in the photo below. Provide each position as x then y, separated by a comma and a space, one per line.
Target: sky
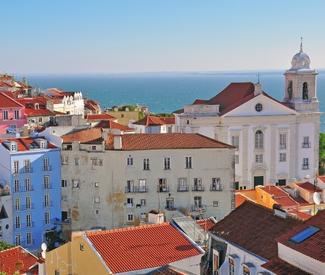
119, 36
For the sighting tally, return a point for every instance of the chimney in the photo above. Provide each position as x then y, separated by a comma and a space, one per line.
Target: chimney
156, 217
117, 143
257, 88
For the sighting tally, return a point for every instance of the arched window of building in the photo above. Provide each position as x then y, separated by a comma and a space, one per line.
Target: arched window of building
305, 91
259, 136
290, 89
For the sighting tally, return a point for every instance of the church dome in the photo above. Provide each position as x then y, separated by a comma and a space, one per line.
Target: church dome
300, 60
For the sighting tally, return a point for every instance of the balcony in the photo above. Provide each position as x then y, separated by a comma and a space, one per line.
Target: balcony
199, 208
216, 187
306, 145
162, 189
47, 168
197, 188
136, 189
182, 188
27, 170
129, 205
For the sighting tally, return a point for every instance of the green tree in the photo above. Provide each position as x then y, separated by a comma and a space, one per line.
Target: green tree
322, 154
4, 245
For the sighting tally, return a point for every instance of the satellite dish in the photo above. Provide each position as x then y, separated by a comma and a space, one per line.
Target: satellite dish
307, 177
317, 198
43, 246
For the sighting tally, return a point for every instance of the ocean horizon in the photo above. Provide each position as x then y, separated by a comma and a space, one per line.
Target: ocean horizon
165, 92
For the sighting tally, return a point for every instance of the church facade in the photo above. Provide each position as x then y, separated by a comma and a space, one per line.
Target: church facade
277, 141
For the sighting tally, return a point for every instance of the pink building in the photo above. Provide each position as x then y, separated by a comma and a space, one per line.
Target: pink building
12, 114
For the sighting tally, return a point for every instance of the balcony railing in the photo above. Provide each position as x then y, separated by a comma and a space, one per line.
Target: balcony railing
216, 187
198, 188
136, 189
27, 170
162, 189
27, 189
182, 188
47, 167
306, 145
199, 207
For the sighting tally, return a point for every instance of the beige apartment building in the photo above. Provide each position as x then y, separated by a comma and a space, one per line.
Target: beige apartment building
113, 181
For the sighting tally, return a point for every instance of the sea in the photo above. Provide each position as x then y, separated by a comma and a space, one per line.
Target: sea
166, 92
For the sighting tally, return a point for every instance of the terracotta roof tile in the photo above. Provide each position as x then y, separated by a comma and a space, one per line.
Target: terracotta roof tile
8, 102
309, 187
155, 121
206, 224
280, 267
257, 231
30, 112
110, 124
313, 246
168, 141
84, 135
137, 248
99, 117
17, 256
25, 143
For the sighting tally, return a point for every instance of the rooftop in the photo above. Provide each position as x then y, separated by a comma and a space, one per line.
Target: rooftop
8, 102
83, 135
110, 124
99, 117
141, 247
312, 246
155, 121
309, 186
280, 267
25, 143
17, 256
256, 223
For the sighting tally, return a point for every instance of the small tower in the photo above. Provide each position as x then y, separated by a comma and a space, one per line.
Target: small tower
300, 84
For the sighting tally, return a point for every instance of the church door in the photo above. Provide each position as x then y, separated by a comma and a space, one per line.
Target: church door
258, 181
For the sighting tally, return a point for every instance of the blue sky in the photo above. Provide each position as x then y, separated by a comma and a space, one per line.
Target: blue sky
111, 36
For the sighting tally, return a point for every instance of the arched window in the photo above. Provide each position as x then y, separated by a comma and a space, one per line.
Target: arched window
259, 139
290, 89
305, 91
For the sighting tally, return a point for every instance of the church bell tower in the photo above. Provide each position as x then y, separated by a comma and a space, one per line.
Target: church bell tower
300, 84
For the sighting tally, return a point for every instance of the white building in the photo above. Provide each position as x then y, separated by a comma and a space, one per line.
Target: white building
71, 103
115, 181
277, 142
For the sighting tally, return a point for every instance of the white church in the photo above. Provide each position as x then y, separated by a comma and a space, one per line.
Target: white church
277, 141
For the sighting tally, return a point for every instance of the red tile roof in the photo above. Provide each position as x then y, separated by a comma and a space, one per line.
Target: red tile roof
313, 246
309, 187
167, 141
280, 267
24, 143
141, 247
38, 112
99, 117
84, 135
110, 124
92, 105
15, 257
27, 101
206, 224
8, 102
280, 196
155, 121
321, 178
254, 228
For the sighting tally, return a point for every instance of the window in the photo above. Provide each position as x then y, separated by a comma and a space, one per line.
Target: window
46, 182
129, 202
93, 147
45, 164
16, 167
28, 220
216, 184
188, 162
231, 266
64, 160
143, 202
17, 204
215, 203
197, 202
18, 239
27, 166
259, 139
29, 238
283, 157
142, 185
304, 234
64, 183
146, 165
46, 200
130, 186
130, 217
305, 164
5, 115
283, 141
305, 91
187, 122
96, 184
17, 222
235, 141
47, 217
306, 143
166, 163
97, 199
76, 161
182, 185
129, 161
28, 202
42, 144
16, 114
16, 183
259, 158
258, 107
246, 270
236, 159
197, 184
13, 146
75, 183
281, 182
162, 185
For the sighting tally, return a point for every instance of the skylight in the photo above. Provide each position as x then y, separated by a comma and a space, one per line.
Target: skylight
304, 234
